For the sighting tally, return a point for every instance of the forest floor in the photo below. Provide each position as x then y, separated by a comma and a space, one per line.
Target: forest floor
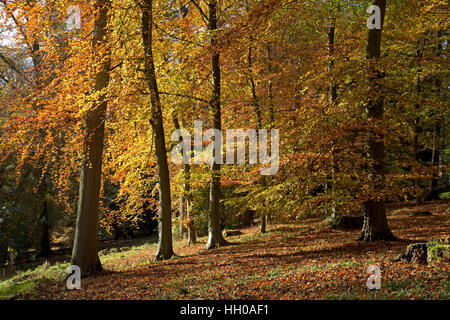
305, 260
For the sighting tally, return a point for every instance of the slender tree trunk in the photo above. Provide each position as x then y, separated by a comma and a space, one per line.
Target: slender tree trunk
44, 230
182, 217
257, 109
85, 246
215, 236
182, 200
3, 249
192, 238
263, 225
265, 217
332, 95
375, 225
434, 183
165, 248
417, 131
186, 225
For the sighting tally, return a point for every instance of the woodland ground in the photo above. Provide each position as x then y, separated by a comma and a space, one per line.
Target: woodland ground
305, 260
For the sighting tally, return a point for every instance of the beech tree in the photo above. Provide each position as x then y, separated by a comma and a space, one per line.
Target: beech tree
85, 245
215, 237
375, 225
165, 248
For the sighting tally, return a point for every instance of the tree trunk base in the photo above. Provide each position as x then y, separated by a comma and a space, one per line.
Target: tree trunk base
164, 256
216, 243
87, 271
263, 225
381, 236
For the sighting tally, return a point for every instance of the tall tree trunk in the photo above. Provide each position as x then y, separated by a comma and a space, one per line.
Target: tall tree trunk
265, 217
434, 183
215, 236
165, 247
256, 108
332, 96
417, 129
85, 246
375, 225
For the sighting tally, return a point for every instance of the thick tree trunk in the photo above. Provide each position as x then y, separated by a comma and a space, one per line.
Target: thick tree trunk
332, 96
215, 237
375, 225
85, 246
165, 248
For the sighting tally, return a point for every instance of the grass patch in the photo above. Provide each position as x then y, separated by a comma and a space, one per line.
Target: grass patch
11, 291
276, 272
445, 195
25, 282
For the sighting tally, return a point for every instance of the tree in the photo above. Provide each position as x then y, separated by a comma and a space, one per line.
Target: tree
375, 225
165, 248
186, 219
85, 245
215, 237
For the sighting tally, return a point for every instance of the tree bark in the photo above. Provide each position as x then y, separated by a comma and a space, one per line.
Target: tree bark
265, 217
186, 223
417, 128
256, 108
332, 96
215, 236
375, 226
192, 238
165, 247
85, 246
434, 183
433, 193
262, 227
182, 217
44, 230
